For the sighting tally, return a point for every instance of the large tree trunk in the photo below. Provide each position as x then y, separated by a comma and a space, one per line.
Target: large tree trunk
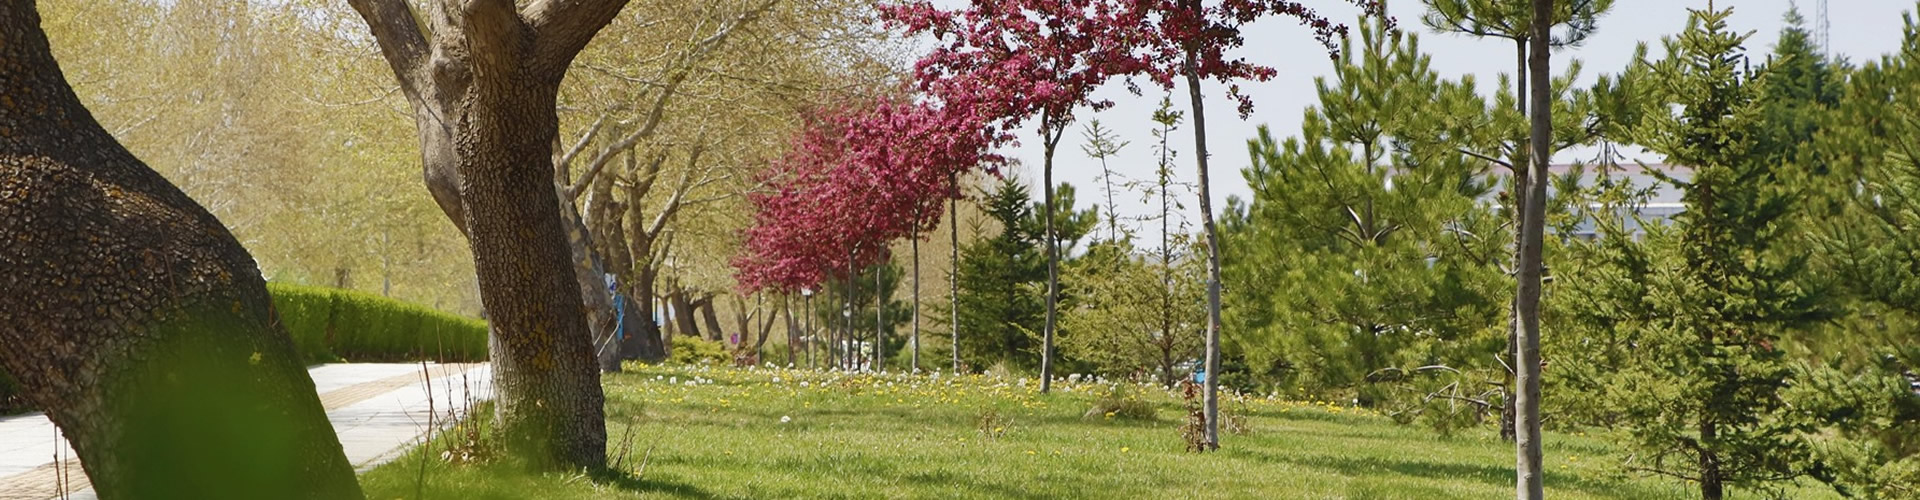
683, 313
484, 92
1212, 392
1527, 372
134, 318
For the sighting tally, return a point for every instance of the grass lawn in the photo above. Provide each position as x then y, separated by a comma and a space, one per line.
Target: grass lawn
737, 433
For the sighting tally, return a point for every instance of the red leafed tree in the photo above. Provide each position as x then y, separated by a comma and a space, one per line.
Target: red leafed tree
1190, 41
857, 177
1030, 60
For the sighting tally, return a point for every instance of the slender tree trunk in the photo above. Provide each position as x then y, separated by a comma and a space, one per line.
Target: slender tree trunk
916, 303
810, 331
1052, 139
953, 274
879, 324
1711, 487
853, 346
1519, 195
1527, 415
133, 318
1212, 392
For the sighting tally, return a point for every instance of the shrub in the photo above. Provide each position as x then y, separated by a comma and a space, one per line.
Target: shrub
1123, 403
331, 324
692, 350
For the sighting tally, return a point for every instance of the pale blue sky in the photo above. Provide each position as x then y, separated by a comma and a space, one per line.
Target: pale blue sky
1862, 30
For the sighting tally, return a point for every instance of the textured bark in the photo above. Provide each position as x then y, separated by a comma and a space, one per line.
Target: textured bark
1212, 392
483, 92
134, 318
1527, 297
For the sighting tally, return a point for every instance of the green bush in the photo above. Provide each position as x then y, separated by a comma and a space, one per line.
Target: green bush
690, 350
1122, 402
330, 324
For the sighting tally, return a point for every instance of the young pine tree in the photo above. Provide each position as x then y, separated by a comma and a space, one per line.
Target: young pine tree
1702, 396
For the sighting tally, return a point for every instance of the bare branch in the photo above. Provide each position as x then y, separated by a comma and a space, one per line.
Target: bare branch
493, 32
560, 166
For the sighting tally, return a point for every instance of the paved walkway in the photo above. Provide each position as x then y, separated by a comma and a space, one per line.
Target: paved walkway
379, 411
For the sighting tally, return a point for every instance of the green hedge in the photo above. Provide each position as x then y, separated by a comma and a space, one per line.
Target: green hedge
329, 324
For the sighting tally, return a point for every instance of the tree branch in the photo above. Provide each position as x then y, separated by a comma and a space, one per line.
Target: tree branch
494, 34
561, 28
398, 34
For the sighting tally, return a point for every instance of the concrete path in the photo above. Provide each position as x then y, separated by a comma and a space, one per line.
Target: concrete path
379, 411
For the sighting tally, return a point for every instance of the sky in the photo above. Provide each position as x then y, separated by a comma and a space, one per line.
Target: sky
1863, 30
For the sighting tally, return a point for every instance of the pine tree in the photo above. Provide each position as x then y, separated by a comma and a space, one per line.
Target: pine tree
1001, 281
1702, 397
1358, 232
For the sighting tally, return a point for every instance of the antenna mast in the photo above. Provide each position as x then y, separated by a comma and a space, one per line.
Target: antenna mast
1823, 29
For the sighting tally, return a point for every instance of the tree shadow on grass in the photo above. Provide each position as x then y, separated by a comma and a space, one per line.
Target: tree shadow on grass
629, 482
1489, 475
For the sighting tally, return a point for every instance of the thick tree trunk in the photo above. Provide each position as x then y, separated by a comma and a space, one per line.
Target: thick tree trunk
683, 313
1212, 392
709, 307
589, 275
1527, 370
134, 318
484, 90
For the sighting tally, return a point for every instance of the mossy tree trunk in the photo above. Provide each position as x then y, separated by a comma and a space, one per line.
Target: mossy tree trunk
134, 318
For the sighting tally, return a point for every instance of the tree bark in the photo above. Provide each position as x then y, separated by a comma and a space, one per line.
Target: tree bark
916, 304
133, 318
1527, 373
953, 276
1212, 392
483, 92
1051, 139
879, 323
1519, 196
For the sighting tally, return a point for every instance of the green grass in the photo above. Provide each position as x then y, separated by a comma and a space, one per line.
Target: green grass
330, 324
920, 437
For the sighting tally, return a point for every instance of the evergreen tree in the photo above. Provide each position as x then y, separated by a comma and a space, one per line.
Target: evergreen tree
1863, 370
1002, 280
1356, 260
1702, 397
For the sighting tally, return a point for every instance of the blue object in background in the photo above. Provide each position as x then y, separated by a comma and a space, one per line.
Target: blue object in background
1200, 376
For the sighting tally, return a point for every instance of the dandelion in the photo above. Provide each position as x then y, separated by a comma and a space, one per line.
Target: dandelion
1030, 452
1124, 449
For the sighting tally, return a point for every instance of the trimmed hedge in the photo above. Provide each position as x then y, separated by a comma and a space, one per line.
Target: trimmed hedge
330, 324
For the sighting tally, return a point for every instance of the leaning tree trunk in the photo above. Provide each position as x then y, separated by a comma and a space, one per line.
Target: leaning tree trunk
483, 91
134, 318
